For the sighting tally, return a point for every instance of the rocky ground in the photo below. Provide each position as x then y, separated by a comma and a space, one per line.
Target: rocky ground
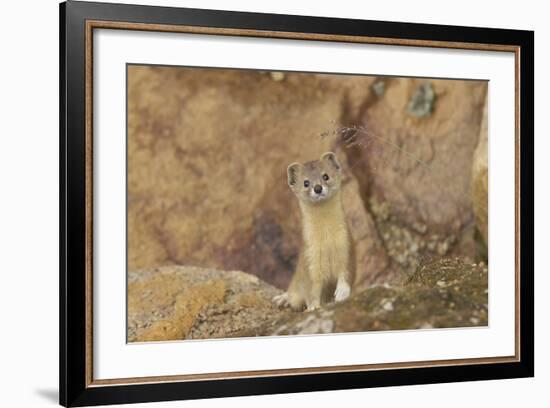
176, 303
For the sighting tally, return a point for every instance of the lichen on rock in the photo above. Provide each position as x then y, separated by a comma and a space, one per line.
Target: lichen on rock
422, 100
182, 302
442, 294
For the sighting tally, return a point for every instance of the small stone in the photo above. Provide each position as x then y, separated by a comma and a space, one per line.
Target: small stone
420, 228
327, 326
277, 76
442, 248
388, 306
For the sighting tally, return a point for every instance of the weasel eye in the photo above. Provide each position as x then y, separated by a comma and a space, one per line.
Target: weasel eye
325, 176
306, 183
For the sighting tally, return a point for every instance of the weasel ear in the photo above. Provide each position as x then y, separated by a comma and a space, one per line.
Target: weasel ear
292, 173
331, 158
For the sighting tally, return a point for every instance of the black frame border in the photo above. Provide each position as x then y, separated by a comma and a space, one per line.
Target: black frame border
72, 211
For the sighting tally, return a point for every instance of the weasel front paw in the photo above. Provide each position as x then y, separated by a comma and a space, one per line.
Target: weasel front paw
281, 300
342, 292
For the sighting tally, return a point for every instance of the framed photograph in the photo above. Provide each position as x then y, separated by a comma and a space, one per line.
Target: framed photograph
256, 203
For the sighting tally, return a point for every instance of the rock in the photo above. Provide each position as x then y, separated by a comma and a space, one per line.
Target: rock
372, 262
176, 302
418, 304
480, 180
414, 171
207, 158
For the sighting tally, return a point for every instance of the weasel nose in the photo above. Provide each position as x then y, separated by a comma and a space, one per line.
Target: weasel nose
318, 188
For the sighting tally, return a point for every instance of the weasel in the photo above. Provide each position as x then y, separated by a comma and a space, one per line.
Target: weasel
326, 265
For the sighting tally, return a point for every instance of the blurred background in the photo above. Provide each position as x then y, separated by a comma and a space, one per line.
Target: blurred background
208, 151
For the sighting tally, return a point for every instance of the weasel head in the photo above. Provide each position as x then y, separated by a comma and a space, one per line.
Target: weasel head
317, 181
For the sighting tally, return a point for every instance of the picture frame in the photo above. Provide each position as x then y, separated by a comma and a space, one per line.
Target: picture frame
78, 384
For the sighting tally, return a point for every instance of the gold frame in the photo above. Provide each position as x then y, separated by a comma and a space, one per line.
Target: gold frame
99, 24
